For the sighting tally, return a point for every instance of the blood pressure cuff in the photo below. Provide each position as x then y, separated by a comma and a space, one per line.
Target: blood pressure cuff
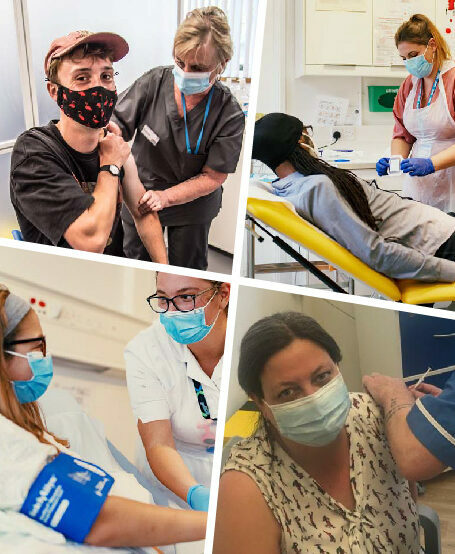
67, 496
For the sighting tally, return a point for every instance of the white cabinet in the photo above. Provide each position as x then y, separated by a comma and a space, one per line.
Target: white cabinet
338, 37
355, 43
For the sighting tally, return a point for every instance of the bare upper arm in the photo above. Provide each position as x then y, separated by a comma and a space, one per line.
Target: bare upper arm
132, 187
244, 522
82, 234
156, 433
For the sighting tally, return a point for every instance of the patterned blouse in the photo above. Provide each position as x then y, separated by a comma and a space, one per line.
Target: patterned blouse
385, 519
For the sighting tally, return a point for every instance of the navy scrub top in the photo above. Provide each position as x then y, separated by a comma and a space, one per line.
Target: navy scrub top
432, 420
159, 147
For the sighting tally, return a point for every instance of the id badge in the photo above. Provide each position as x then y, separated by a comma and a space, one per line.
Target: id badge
150, 135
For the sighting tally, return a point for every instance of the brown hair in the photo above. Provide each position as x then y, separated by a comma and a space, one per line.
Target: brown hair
26, 415
198, 27
90, 49
419, 30
267, 337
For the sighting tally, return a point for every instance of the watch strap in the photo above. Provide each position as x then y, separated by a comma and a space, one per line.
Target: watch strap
109, 170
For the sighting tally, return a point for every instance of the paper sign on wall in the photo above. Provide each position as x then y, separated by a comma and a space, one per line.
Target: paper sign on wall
331, 110
388, 16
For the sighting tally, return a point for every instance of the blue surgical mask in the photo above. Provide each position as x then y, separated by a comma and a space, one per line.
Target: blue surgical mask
419, 66
42, 372
191, 83
187, 327
314, 420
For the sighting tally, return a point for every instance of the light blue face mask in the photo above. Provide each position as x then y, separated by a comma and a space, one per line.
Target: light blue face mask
191, 83
314, 420
187, 327
42, 372
419, 66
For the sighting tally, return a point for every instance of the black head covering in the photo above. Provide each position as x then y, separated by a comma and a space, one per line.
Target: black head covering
275, 137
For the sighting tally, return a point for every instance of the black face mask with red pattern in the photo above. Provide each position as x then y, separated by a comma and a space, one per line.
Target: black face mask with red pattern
92, 107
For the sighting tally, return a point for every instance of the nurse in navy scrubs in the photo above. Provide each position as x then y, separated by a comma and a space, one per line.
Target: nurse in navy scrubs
189, 130
420, 424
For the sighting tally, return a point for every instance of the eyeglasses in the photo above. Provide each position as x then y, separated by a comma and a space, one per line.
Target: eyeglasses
308, 130
181, 302
41, 340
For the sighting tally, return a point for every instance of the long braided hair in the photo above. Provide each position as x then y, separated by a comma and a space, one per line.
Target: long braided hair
345, 181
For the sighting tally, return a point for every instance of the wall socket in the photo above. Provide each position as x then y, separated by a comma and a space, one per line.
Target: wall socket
347, 131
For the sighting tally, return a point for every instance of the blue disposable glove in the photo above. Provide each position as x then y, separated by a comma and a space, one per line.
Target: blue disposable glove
198, 498
417, 167
382, 166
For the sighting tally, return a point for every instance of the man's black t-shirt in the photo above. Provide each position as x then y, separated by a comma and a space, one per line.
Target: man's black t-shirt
51, 186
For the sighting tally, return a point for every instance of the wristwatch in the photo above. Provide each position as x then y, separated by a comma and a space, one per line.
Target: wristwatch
112, 169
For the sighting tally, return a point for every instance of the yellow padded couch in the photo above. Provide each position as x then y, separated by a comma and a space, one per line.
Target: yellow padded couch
282, 217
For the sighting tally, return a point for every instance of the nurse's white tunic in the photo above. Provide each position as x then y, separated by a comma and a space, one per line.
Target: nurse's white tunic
159, 375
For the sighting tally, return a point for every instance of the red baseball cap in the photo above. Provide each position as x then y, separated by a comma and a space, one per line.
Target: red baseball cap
64, 45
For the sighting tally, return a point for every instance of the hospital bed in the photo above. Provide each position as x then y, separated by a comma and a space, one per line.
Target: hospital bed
267, 212
428, 518
66, 418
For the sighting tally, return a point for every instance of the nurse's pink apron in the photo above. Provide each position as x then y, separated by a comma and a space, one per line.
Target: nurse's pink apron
434, 129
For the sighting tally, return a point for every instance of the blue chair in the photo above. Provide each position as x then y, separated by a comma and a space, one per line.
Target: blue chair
17, 235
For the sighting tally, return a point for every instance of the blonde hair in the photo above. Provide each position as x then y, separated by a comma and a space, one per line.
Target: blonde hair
26, 415
198, 27
419, 30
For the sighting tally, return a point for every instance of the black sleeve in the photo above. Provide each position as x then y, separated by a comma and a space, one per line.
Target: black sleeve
47, 195
225, 150
130, 105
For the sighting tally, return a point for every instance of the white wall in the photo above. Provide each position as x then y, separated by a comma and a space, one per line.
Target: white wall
339, 320
121, 289
271, 96
378, 335
369, 338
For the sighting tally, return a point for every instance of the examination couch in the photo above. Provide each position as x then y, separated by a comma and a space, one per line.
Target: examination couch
266, 212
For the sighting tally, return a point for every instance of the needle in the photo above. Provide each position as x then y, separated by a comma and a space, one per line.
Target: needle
422, 378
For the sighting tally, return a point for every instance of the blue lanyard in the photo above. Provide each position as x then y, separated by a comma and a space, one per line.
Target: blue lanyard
207, 108
203, 406
433, 88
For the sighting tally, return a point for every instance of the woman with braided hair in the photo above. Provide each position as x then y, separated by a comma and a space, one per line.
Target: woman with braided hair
424, 115
397, 236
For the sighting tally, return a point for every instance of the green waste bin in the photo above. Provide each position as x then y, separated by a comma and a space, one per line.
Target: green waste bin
381, 99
